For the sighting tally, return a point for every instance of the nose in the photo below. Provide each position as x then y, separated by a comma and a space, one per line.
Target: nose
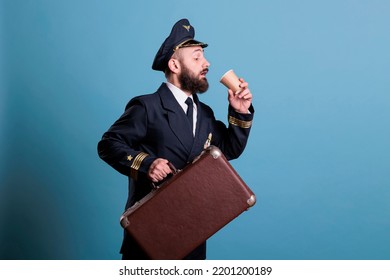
206, 64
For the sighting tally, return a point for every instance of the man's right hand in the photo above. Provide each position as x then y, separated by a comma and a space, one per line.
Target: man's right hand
158, 170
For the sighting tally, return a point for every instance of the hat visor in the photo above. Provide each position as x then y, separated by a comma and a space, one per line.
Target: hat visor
190, 43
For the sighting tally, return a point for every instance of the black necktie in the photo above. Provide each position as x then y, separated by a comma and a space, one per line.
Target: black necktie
190, 112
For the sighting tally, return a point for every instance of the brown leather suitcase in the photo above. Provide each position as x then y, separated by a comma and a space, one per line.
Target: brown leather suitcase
190, 207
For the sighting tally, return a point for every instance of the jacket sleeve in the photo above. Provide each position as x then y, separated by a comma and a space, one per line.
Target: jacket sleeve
119, 146
232, 139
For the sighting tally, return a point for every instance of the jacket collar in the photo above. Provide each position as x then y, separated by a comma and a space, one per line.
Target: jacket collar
178, 122
176, 117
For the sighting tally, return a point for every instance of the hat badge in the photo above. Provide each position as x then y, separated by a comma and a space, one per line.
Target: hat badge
187, 27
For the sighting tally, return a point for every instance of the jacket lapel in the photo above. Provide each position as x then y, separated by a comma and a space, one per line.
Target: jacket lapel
202, 129
176, 117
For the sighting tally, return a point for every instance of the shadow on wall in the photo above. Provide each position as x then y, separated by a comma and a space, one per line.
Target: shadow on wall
35, 221
51, 195
32, 226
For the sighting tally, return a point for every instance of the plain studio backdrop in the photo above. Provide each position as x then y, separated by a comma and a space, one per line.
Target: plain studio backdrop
318, 157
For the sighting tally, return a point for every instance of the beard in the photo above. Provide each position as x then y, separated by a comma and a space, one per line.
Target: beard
192, 83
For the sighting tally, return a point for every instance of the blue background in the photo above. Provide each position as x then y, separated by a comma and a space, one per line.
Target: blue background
318, 158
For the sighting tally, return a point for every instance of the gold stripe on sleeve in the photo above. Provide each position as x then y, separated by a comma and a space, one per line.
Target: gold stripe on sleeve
239, 123
136, 164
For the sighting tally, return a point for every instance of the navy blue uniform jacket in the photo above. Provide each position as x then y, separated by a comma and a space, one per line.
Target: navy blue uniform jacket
155, 126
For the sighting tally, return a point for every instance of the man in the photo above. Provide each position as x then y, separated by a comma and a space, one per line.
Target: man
172, 125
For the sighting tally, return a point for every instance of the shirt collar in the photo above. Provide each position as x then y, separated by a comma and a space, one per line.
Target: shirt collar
180, 95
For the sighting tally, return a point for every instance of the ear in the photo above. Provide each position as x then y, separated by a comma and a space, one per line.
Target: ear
174, 65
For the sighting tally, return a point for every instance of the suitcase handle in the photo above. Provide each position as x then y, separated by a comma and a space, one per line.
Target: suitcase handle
173, 168
174, 172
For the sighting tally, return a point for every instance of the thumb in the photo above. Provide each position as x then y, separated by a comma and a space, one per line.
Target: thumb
230, 94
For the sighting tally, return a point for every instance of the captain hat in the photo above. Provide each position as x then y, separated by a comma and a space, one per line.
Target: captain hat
182, 35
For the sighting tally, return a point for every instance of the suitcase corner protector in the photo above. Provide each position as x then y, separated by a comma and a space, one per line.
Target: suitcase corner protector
124, 221
215, 152
251, 201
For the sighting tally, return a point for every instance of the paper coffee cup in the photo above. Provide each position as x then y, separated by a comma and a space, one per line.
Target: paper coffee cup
231, 81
